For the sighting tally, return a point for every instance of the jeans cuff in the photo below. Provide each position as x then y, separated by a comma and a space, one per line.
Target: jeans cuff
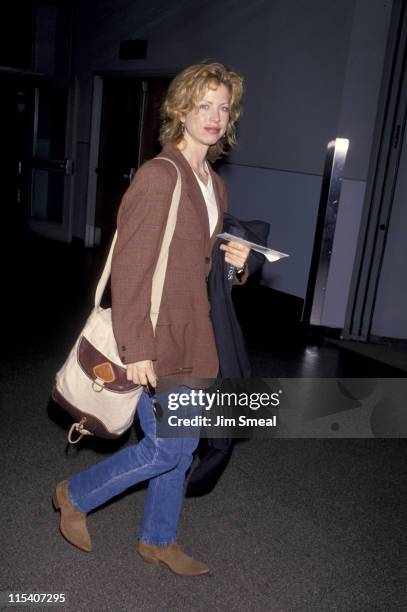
73, 502
153, 542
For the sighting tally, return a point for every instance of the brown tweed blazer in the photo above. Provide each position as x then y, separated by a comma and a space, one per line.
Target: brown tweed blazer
183, 343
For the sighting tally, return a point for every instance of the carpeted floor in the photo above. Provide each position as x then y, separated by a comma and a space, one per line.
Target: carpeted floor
293, 525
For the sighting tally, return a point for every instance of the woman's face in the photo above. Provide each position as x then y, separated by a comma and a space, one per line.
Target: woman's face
208, 122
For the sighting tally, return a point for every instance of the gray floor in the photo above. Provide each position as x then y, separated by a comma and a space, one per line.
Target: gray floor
293, 525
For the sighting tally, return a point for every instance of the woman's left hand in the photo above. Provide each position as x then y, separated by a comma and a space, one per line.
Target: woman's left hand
236, 253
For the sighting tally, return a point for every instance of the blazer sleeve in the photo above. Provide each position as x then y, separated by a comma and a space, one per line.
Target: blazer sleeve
223, 193
141, 224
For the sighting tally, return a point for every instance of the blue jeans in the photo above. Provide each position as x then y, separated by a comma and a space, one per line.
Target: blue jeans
162, 461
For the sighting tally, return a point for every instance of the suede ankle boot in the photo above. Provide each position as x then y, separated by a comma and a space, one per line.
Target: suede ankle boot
173, 557
72, 523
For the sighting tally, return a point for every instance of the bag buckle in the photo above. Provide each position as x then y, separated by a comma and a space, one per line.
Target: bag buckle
79, 428
98, 385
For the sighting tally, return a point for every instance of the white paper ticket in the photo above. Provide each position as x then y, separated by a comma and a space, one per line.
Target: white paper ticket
269, 254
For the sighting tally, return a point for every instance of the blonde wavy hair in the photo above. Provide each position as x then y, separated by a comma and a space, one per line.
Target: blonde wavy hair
183, 94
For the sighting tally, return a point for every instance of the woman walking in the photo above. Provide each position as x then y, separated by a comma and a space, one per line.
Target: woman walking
199, 116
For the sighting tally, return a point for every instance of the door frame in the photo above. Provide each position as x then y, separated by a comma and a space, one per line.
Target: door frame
91, 237
92, 233
382, 177
50, 229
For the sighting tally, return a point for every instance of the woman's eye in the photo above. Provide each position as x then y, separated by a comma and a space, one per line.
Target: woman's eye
204, 106
225, 109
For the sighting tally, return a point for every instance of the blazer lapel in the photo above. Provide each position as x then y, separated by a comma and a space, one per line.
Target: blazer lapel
219, 204
190, 185
198, 199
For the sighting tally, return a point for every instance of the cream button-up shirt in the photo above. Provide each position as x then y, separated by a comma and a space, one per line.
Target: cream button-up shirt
210, 199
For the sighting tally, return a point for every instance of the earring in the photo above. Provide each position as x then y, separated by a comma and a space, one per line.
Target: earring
182, 127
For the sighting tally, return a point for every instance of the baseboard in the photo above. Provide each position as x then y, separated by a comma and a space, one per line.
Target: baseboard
400, 343
330, 332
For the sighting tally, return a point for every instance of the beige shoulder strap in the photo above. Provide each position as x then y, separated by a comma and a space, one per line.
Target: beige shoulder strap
161, 266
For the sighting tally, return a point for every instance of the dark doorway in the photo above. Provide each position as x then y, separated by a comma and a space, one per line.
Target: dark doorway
35, 172
129, 133
16, 108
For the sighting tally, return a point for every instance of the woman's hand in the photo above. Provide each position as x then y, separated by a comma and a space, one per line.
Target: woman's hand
236, 253
142, 373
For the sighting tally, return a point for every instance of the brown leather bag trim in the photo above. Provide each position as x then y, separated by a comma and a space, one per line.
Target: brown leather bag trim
89, 359
92, 423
